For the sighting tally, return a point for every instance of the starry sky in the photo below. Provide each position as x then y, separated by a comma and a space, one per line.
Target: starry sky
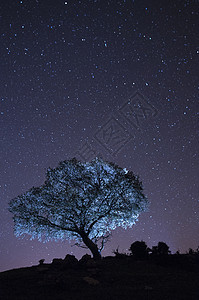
111, 78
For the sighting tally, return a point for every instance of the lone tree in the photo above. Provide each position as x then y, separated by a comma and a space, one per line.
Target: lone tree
82, 201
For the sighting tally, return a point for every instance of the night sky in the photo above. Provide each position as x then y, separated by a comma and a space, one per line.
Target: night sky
117, 79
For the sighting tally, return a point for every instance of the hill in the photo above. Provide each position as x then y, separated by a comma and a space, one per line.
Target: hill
121, 277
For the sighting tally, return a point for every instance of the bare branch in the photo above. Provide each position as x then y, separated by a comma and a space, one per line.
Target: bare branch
49, 223
79, 245
105, 239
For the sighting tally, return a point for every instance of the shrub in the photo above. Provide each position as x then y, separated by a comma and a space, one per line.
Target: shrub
161, 249
139, 250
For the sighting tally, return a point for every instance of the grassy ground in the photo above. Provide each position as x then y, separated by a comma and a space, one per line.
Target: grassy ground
174, 277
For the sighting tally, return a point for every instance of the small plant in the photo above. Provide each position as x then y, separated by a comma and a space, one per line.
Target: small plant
118, 254
41, 261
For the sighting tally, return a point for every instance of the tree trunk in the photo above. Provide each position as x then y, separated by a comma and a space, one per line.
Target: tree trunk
91, 246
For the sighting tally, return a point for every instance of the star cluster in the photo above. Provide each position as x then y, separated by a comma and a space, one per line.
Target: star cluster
111, 78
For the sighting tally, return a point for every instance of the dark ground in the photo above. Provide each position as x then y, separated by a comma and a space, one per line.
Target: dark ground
169, 278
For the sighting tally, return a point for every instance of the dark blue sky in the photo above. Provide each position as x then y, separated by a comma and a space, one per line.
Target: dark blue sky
115, 78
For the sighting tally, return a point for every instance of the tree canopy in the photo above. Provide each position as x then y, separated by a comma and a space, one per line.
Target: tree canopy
80, 200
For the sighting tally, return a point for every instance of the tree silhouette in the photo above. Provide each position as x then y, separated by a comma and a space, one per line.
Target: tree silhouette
81, 201
139, 249
161, 249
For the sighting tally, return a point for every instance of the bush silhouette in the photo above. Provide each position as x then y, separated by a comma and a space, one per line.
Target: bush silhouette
161, 249
139, 249
118, 254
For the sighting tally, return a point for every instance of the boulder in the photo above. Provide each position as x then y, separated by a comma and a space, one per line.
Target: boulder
91, 281
57, 261
41, 261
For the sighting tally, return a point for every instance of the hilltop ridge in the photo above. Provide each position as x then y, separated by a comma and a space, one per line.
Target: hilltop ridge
119, 277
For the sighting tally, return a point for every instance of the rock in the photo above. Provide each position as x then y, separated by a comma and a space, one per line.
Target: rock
57, 261
41, 261
91, 280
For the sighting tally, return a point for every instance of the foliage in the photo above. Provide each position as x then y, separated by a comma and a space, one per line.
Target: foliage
79, 200
193, 252
139, 249
161, 249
